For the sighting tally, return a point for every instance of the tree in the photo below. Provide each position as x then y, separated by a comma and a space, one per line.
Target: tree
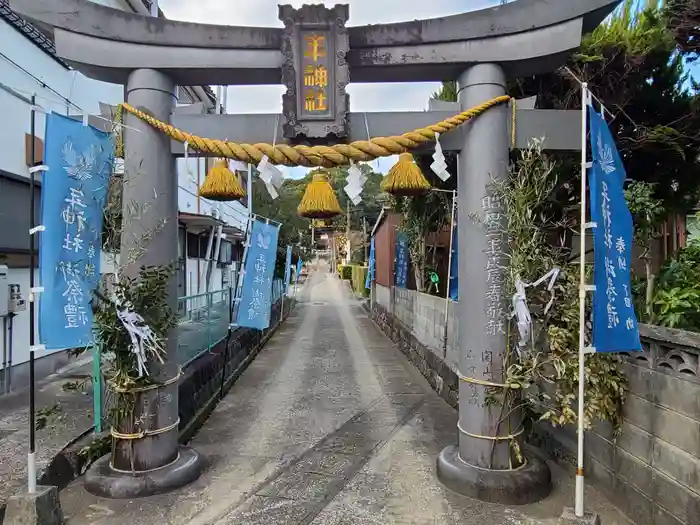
647, 213
631, 63
447, 92
372, 197
683, 20
426, 214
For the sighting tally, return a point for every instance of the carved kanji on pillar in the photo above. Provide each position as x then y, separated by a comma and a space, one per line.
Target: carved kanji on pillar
315, 43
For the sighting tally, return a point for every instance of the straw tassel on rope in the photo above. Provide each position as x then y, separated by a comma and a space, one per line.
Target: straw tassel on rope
319, 200
119, 132
221, 184
405, 178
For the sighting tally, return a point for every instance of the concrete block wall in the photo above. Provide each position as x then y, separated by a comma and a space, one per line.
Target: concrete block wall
416, 325
403, 305
383, 296
652, 469
425, 315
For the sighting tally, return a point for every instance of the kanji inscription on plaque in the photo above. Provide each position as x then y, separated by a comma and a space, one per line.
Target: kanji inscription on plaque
315, 43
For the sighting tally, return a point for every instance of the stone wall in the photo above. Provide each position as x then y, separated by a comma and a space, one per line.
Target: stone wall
652, 469
411, 308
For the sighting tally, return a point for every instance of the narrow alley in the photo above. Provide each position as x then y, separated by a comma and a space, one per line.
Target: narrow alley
329, 425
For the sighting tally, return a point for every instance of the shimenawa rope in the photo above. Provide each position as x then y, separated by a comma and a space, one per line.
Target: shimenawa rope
315, 156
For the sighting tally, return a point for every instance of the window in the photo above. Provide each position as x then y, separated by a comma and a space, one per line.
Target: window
225, 253
194, 246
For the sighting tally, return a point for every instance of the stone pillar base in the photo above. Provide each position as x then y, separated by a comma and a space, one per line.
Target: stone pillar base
528, 484
37, 508
102, 480
569, 517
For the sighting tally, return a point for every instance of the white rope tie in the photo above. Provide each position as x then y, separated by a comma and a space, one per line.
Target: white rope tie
520, 308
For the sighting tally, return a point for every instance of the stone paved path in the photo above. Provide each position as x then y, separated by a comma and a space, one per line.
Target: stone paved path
329, 425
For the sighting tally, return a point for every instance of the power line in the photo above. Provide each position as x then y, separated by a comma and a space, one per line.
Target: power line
64, 100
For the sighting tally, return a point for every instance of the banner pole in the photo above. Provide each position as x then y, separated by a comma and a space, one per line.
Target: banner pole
31, 457
238, 292
97, 388
449, 274
579, 502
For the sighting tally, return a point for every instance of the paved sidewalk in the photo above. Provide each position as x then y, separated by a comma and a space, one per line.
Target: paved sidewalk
66, 414
330, 425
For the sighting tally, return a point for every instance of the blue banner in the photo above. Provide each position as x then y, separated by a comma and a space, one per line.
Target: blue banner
615, 326
454, 267
370, 263
287, 269
255, 306
73, 197
300, 263
402, 261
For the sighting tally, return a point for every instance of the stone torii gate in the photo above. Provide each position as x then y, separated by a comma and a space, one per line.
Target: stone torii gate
480, 49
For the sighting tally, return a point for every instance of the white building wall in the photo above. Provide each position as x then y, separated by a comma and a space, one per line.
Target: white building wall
195, 270
26, 70
191, 174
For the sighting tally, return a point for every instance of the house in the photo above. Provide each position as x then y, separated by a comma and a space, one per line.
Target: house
30, 68
385, 232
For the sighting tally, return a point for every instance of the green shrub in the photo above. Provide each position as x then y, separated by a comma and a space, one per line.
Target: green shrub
359, 276
345, 272
677, 294
358, 257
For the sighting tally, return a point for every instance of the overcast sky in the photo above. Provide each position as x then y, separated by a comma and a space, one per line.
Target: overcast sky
363, 97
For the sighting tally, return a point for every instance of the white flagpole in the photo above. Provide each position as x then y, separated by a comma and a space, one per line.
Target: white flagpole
583, 289
449, 271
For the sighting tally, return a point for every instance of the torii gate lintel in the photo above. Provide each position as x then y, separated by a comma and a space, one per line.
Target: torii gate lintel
560, 129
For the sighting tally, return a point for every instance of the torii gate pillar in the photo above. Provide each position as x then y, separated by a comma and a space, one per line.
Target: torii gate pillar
156, 463
480, 466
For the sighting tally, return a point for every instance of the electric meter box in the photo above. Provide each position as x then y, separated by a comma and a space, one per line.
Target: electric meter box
17, 302
4, 291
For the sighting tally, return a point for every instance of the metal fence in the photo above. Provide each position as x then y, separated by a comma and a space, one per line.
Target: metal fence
203, 323
204, 320
277, 290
